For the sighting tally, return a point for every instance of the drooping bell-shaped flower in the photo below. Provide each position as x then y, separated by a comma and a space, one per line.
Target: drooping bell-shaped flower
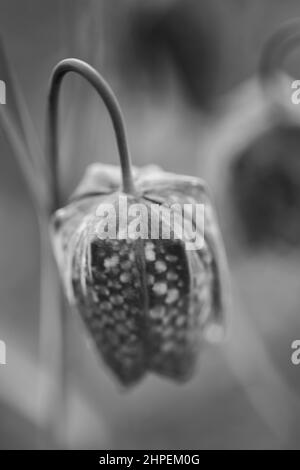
143, 264
265, 173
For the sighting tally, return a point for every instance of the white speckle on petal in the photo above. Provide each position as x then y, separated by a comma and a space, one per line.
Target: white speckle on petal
171, 258
160, 266
125, 277
157, 313
149, 246
172, 276
160, 288
111, 262
149, 255
172, 296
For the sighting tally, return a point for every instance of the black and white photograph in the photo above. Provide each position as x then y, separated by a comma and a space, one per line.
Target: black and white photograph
149, 228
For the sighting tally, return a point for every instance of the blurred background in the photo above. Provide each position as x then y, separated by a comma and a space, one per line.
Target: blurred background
185, 73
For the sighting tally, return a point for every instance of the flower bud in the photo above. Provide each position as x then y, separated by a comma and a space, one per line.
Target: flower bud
152, 286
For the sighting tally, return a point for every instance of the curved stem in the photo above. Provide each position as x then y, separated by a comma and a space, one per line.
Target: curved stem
106, 93
279, 45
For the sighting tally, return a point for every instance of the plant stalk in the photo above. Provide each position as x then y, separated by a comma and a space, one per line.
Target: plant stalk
107, 95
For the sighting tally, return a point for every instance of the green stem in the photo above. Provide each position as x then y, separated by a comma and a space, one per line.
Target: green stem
106, 93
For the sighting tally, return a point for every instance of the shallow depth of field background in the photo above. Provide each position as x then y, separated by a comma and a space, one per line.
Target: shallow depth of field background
246, 391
